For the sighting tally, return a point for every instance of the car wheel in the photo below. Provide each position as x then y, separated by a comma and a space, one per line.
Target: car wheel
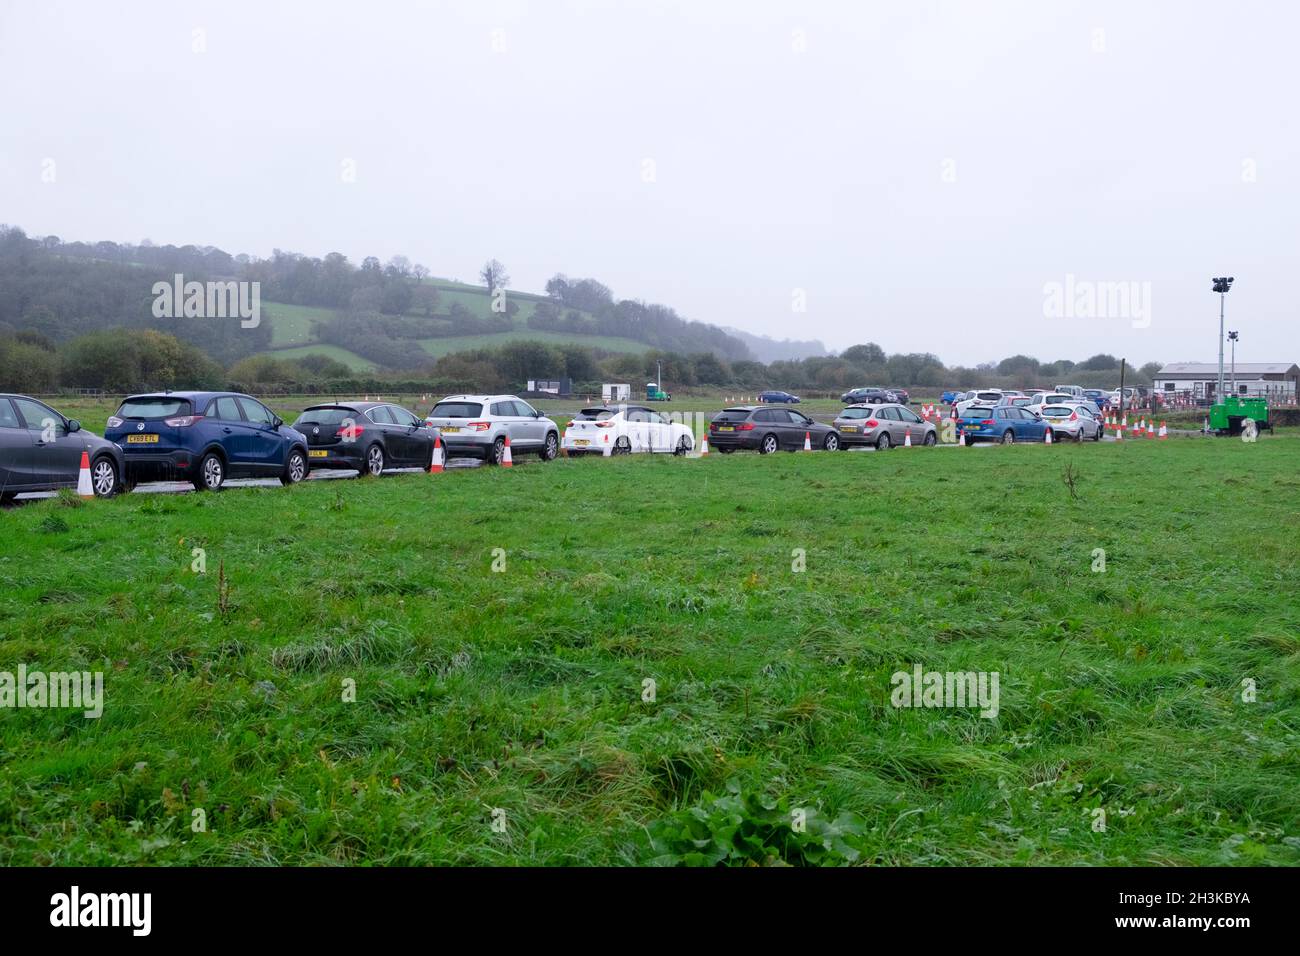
295, 469
882, 443
682, 447
103, 477
1096, 436
212, 473
930, 439
768, 446
374, 462
551, 448
1008, 437
498, 451
832, 442
7, 496
623, 446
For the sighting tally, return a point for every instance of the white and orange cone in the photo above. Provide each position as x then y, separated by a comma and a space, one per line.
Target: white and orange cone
1164, 432
1047, 438
1119, 434
84, 487
607, 449
907, 438
807, 441
704, 443
1151, 429
961, 439
506, 460
436, 465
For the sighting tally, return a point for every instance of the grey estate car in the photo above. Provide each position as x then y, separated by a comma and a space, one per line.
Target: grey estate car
476, 426
883, 426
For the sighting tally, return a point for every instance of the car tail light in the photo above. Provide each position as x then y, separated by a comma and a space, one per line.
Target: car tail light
349, 431
606, 424
872, 423
114, 421
986, 421
568, 425
182, 421
1074, 416
479, 426
745, 427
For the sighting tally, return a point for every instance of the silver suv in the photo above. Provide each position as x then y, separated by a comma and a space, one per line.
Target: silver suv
476, 426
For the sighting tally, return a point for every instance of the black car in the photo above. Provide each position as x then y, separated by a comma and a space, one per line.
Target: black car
41, 450
775, 397
868, 396
901, 396
766, 429
366, 437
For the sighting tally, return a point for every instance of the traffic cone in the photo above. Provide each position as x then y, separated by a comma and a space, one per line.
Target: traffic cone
907, 438
704, 444
1047, 438
607, 444
807, 441
1164, 432
1119, 434
84, 488
506, 461
1151, 429
1124, 421
961, 439
436, 466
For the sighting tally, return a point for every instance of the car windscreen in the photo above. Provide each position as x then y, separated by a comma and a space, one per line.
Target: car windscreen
595, 414
1057, 411
732, 415
457, 410
326, 416
151, 407
856, 413
1054, 399
989, 396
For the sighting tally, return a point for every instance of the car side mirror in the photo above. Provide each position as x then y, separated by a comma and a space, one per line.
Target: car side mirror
73, 426
277, 422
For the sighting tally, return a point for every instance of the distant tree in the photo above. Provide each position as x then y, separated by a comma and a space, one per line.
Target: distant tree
869, 354
1019, 366
26, 367
425, 298
399, 267
1099, 363
1151, 370
557, 286
494, 275
420, 272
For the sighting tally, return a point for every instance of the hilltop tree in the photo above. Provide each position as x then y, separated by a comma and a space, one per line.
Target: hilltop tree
494, 275
869, 354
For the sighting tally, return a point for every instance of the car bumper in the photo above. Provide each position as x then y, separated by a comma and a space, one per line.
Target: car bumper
158, 466
733, 440
334, 458
868, 437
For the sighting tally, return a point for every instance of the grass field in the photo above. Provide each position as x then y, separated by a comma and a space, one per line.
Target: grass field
352, 360
292, 324
518, 698
459, 343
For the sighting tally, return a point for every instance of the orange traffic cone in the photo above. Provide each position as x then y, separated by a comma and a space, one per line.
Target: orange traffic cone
607, 444
1151, 429
1119, 433
807, 441
907, 438
1164, 432
436, 466
506, 461
1047, 438
704, 443
961, 439
84, 487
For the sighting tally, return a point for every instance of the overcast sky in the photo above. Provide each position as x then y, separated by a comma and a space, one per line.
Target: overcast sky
916, 173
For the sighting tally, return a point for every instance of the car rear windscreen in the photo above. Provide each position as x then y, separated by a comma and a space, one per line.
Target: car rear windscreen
326, 416
457, 410
163, 406
989, 396
977, 411
732, 415
857, 413
595, 414
1057, 411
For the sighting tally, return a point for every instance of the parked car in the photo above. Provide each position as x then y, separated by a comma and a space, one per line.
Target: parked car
766, 429
1051, 398
865, 396
950, 397
982, 396
476, 426
1072, 421
366, 437
1020, 401
1097, 397
778, 397
41, 449
1001, 423
883, 426
205, 438
900, 396
624, 429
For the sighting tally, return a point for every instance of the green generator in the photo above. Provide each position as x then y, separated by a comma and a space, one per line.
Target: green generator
1226, 416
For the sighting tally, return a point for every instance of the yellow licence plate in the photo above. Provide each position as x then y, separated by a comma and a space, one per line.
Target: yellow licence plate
581, 441
448, 429
726, 428
849, 428
314, 453
142, 439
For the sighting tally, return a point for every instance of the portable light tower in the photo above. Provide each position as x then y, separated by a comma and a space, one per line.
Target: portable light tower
1221, 286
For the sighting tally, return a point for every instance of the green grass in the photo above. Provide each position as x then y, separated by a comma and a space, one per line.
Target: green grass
522, 690
459, 343
293, 324
351, 359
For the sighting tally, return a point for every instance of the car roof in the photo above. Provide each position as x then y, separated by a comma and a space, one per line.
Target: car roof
347, 403
478, 398
192, 397
874, 405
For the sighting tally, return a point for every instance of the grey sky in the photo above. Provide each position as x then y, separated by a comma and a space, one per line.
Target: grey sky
920, 170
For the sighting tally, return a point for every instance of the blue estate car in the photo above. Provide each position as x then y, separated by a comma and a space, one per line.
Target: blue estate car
777, 397
205, 438
1002, 423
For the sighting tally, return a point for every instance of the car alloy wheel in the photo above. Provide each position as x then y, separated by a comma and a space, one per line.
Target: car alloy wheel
551, 448
103, 478
498, 451
930, 439
882, 443
375, 461
295, 469
682, 447
623, 446
768, 446
832, 442
212, 473
1008, 437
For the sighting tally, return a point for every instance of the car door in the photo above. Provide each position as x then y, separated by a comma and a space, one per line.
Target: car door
414, 436
911, 422
266, 446
56, 452
226, 423
1030, 427
531, 423
17, 450
659, 432
381, 423
799, 426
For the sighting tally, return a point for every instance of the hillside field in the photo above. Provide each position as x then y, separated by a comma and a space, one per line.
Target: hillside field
651, 678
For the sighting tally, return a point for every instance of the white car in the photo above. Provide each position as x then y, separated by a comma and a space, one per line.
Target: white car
623, 429
983, 396
1051, 398
1073, 421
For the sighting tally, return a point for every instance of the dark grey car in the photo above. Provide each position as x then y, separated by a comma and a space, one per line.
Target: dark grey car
883, 426
40, 450
367, 437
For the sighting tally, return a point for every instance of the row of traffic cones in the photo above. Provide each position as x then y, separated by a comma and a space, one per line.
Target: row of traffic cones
439, 463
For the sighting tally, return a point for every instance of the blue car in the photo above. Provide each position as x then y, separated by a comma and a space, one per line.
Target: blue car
205, 438
951, 397
1002, 423
775, 397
